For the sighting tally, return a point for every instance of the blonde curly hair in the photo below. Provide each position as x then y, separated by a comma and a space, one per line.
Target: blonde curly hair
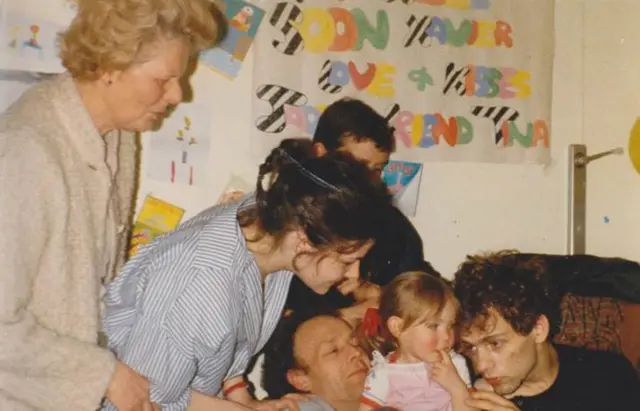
109, 35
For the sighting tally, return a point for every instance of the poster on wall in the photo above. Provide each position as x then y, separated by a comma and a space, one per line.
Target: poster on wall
29, 34
464, 80
156, 217
403, 180
179, 149
243, 22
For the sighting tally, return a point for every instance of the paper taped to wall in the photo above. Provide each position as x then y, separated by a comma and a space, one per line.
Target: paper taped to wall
403, 179
179, 150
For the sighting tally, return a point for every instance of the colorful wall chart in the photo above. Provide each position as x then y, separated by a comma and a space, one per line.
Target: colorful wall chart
463, 80
244, 20
403, 179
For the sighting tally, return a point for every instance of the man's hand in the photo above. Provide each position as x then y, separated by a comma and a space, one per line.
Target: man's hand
289, 402
490, 401
128, 390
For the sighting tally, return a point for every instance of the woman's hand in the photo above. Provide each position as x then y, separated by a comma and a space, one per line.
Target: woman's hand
128, 390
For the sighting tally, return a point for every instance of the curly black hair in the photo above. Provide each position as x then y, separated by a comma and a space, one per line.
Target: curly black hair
515, 286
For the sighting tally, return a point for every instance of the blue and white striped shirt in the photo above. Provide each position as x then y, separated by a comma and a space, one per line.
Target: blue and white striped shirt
188, 311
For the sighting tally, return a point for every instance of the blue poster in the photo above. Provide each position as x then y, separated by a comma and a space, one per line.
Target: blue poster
403, 180
244, 19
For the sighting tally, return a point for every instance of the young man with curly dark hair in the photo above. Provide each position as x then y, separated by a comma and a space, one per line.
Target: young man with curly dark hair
509, 312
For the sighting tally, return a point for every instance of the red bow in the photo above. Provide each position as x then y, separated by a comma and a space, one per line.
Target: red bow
372, 323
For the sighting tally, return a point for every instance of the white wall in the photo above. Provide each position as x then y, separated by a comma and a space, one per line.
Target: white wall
465, 208
611, 105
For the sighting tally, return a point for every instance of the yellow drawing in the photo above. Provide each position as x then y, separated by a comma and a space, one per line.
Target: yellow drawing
242, 19
156, 217
634, 146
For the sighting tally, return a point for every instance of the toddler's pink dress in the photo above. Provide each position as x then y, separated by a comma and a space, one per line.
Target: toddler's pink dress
408, 387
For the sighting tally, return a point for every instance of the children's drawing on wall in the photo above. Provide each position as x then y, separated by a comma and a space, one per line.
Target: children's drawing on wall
29, 44
403, 179
155, 218
244, 20
179, 149
186, 140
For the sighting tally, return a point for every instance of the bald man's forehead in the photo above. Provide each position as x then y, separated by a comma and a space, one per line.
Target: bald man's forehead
312, 334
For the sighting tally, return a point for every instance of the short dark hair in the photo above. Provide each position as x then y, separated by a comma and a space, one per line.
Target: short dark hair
353, 118
519, 289
279, 357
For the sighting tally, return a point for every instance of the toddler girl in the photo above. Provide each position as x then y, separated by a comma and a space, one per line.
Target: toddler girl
413, 366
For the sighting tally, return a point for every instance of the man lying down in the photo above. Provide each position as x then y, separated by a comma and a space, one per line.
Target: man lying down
295, 362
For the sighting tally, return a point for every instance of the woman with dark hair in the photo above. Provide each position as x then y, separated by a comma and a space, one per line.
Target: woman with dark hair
391, 255
191, 309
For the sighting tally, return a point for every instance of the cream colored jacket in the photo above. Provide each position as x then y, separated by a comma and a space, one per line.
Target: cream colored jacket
66, 196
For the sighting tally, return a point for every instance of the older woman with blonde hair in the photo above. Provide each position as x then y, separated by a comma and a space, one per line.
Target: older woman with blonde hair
68, 156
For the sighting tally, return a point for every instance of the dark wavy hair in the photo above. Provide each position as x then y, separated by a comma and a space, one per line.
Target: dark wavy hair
519, 289
333, 198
